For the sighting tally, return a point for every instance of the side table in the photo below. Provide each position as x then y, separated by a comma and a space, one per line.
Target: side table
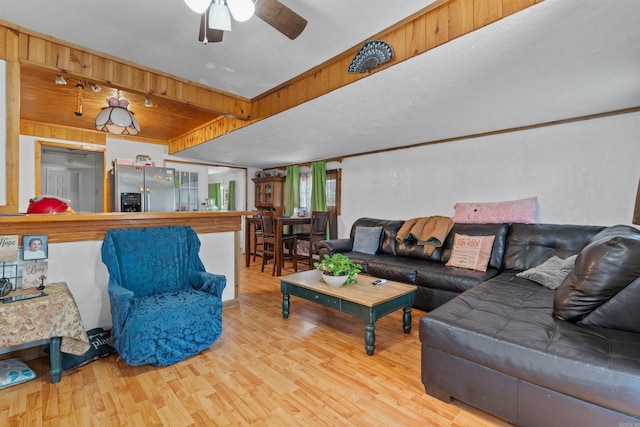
54, 317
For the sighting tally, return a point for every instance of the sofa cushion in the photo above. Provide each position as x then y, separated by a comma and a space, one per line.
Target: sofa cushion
360, 258
550, 273
367, 240
523, 211
529, 245
393, 268
454, 279
603, 269
472, 252
615, 231
507, 324
620, 312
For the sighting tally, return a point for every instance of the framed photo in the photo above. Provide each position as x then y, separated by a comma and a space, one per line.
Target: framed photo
35, 247
9, 248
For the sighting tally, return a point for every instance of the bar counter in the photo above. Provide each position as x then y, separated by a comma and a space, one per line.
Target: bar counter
76, 227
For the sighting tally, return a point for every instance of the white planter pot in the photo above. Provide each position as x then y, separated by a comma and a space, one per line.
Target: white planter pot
334, 280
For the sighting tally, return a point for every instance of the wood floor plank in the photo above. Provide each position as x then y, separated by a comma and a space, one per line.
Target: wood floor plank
310, 369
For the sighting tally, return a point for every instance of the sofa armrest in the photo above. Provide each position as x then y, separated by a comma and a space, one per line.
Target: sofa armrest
330, 247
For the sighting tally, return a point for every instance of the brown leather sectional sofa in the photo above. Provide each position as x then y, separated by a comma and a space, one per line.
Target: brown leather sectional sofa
512, 347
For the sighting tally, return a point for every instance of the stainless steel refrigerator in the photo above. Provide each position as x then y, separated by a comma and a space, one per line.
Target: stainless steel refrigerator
142, 189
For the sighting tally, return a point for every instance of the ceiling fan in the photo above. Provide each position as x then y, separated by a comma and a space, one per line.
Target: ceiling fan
216, 16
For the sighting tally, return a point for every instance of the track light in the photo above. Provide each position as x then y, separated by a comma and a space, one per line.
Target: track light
147, 102
60, 80
94, 87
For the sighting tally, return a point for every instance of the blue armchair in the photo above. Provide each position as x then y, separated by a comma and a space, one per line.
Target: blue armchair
165, 306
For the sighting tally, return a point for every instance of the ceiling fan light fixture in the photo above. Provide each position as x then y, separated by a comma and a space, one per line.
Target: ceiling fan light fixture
219, 17
198, 6
117, 119
241, 10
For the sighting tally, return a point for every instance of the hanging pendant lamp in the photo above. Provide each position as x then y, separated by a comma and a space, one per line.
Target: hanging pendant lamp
117, 119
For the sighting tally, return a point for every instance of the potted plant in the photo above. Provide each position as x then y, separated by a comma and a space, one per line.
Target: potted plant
338, 265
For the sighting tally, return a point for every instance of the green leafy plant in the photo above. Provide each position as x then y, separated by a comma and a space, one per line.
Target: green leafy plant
339, 265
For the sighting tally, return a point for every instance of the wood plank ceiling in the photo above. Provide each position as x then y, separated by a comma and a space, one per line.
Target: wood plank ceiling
43, 101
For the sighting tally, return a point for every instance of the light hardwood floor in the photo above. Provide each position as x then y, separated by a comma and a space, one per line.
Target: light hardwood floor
308, 370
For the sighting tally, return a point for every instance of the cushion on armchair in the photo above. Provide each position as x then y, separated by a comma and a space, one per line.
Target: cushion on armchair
165, 306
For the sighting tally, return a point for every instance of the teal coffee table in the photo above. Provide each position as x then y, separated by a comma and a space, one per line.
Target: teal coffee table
361, 299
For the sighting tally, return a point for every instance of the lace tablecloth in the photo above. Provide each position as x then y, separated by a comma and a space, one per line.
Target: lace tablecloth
54, 315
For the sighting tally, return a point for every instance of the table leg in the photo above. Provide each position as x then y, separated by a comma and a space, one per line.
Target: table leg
369, 338
285, 305
247, 242
55, 358
406, 320
277, 258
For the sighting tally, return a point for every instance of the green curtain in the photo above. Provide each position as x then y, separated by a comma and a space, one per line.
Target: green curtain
232, 195
216, 193
319, 188
292, 189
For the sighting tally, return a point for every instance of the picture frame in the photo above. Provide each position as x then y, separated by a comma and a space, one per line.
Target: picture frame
35, 247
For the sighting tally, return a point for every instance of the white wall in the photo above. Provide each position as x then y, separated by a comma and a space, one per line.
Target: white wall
582, 173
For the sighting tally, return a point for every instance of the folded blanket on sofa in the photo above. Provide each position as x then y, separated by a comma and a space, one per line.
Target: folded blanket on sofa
429, 231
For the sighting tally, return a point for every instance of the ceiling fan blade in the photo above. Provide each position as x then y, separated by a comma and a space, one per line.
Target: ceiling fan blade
280, 17
213, 36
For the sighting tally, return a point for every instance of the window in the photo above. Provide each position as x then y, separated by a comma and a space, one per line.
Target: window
333, 190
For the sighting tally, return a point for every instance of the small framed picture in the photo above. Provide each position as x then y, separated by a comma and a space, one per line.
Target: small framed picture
35, 247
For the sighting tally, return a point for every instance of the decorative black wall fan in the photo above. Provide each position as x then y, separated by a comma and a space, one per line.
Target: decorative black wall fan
272, 12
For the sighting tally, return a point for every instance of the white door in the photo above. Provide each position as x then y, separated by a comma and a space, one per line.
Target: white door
64, 184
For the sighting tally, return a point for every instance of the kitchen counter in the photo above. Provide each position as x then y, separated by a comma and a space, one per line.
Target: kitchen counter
75, 227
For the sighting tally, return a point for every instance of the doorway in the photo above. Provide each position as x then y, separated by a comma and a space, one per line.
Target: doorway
72, 172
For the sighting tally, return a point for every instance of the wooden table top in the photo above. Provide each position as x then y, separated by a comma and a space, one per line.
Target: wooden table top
362, 292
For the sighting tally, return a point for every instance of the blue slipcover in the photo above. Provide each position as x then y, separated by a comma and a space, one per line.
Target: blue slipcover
165, 306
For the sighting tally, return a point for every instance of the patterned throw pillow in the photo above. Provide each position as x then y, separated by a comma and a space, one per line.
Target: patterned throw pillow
472, 252
14, 371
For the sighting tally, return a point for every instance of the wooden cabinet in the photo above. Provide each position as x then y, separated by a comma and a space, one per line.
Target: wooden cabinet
270, 194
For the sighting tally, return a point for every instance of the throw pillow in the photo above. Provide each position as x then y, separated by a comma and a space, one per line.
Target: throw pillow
550, 273
603, 268
522, 211
472, 252
100, 347
367, 240
14, 371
